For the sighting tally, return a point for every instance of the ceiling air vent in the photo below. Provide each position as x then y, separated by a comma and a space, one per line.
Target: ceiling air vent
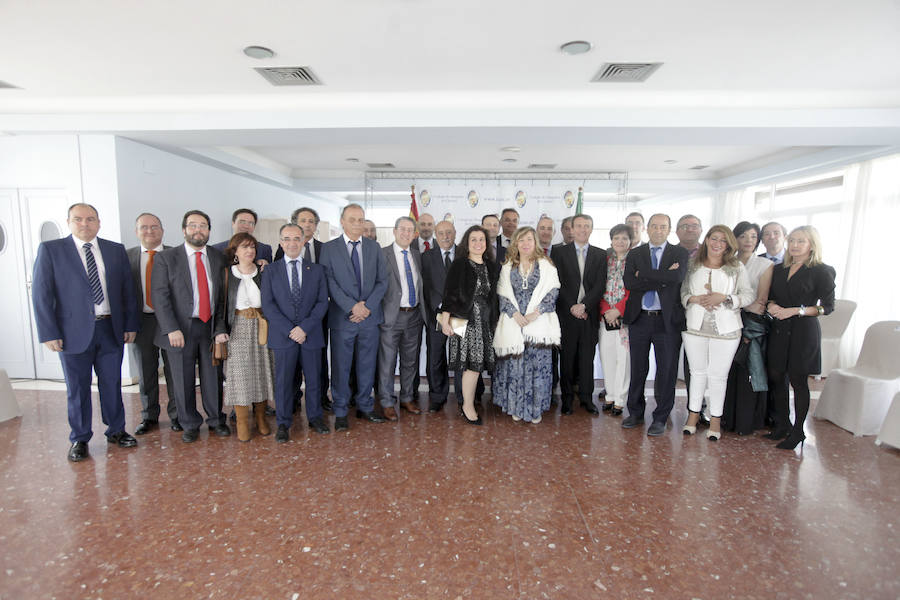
542, 166
381, 165
9, 86
289, 75
625, 72
698, 167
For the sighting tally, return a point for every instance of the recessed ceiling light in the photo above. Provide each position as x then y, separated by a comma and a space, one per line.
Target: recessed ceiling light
510, 160
671, 161
259, 52
510, 149
352, 159
576, 47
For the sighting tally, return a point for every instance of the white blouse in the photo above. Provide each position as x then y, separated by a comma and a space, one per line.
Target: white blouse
248, 294
756, 266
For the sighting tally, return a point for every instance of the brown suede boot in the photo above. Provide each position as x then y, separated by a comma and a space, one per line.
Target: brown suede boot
259, 409
242, 415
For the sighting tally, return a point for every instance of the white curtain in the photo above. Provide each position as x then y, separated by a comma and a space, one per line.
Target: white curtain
870, 277
732, 207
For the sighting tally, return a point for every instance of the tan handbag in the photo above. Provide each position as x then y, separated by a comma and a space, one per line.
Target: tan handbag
263, 330
219, 352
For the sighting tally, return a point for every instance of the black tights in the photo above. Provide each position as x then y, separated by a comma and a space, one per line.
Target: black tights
778, 382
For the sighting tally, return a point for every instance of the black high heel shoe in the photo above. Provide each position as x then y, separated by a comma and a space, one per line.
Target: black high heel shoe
791, 441
477, 421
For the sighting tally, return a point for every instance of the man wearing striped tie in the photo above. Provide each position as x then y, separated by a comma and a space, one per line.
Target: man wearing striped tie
85, 309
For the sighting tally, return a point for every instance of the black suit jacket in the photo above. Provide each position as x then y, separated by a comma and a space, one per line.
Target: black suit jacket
317, 250
134, 259
640, 278
434, 275
566, 260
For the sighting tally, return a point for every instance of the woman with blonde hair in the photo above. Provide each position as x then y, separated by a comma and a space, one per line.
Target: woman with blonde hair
802, 290
527, 330
715, 289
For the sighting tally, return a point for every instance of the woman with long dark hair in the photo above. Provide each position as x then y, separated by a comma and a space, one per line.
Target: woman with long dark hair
802, 290
469, 313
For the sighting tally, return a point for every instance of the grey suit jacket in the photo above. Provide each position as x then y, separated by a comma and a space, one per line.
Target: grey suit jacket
172, 292
393, 296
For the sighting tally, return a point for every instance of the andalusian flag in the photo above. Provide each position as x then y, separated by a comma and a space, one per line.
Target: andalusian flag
579, 206
413, 209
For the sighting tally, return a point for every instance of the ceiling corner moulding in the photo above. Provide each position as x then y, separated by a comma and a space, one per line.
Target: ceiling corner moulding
625, 72
282, 76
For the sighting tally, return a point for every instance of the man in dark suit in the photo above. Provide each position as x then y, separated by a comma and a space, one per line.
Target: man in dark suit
435, 264
307, 219
187, 296
582, 277
654, 314
357, 280
509, 222
404, 314
243, 220
295, 300
491, 224
85, 309
149, 231
773, 236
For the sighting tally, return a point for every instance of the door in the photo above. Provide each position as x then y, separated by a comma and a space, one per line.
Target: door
43, 219
16, 351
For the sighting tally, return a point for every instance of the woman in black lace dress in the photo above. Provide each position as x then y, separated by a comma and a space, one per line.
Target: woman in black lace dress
470, 295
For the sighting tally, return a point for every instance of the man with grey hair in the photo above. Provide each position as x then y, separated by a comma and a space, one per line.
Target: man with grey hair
688, 231
773, 238
435, 264
404, 314
545, 231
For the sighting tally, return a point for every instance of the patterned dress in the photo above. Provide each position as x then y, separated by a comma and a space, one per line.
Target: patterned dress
475, 352
522, 385
249, 370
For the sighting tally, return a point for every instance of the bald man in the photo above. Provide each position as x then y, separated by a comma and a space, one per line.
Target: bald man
425, 240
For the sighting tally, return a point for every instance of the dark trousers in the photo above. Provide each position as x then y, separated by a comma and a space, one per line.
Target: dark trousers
778, 387
146, 355
403, 339
103, 355
289, 362
361, 343
196, 351
436, 370
650, 330
576, 360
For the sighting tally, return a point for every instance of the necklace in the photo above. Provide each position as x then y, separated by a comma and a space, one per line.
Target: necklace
525, 274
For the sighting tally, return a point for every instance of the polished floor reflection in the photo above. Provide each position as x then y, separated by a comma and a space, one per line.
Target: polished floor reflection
431, 507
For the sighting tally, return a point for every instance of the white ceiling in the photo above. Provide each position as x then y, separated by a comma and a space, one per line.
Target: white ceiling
429, 84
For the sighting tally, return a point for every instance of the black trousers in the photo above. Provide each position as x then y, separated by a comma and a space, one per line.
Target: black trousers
196, 352
576, 360
650, 330
147, 355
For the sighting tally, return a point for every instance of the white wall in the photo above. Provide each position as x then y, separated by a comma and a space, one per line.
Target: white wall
168, 185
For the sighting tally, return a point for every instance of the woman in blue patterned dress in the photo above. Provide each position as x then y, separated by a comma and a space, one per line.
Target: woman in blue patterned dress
527, 330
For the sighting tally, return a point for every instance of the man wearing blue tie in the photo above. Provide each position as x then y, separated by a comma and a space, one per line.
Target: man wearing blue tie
357, 280
655, 315
85, 309
294, 300
404, 315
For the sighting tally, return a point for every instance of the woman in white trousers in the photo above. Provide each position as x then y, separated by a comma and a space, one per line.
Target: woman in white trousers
614, 355
715, 289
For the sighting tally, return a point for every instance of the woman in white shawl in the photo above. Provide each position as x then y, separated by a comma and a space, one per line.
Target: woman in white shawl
527, 331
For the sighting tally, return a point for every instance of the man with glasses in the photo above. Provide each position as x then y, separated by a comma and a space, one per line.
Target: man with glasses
688, 231
189, 317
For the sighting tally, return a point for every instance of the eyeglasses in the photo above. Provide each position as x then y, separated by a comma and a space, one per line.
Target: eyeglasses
200, 226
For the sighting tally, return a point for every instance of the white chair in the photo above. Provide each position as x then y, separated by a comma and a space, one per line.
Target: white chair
9, 408
857, 399
890, 429
833, 328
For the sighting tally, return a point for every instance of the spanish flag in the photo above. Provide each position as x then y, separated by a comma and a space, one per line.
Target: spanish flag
413, 209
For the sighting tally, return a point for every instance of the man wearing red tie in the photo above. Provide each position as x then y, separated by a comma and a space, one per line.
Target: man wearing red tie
425, 241
545, 233
187, 297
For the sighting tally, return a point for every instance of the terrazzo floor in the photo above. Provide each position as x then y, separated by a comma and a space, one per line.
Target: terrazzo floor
430, 507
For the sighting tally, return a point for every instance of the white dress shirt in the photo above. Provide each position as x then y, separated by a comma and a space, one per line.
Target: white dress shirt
401, 267
248, 294
421, 244
102, 308
192, 264
144, 259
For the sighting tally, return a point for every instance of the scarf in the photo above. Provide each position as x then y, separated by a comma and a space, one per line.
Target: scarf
509, 338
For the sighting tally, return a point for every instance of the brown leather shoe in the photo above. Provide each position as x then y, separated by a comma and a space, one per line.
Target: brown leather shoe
411, 407
390, 413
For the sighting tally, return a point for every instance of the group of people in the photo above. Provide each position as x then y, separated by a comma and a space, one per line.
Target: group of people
503, 301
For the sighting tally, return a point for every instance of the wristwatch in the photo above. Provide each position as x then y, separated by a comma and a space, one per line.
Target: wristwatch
802, 312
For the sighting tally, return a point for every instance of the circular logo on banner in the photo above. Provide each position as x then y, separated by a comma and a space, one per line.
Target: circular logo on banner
520, 198
473, 198
569, 199
448, 217
425, 197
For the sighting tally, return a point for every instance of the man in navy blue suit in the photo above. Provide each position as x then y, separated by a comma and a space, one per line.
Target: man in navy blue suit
357, 280
243, 220
85, 308
654, 314
295, 300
